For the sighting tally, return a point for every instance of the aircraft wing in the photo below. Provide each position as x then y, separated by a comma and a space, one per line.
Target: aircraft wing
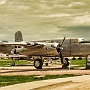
30, 44
12, 43
25, 44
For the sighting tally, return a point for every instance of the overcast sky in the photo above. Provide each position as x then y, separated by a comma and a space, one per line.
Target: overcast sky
44, 19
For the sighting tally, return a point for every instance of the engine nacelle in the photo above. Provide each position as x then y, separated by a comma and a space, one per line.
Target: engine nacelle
54, 45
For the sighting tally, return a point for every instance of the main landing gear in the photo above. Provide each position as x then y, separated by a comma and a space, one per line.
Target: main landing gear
65, 63
38, 63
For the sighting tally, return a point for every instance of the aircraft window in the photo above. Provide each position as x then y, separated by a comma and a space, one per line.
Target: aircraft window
15, 46
19, 46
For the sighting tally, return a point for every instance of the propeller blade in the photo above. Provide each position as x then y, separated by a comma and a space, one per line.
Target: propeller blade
59, 49
59, 46
63, 40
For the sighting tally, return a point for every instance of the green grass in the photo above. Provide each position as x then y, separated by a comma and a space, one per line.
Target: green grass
5, 63
80, 63
8, 62
10, 80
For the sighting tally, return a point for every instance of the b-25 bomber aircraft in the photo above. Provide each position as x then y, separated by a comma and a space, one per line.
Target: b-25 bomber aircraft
47, 48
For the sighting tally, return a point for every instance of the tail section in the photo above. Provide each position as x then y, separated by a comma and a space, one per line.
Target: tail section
18, 36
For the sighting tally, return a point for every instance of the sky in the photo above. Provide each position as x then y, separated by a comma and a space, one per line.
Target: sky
44, 19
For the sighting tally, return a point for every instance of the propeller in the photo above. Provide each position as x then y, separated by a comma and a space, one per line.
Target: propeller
59, 49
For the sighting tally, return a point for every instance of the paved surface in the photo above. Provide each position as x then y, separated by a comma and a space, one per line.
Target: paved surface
50, 70
45, 83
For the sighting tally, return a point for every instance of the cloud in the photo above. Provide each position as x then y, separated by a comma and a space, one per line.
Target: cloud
82, 20
2, 2
75, 4
53, 15
3, 35
23, 7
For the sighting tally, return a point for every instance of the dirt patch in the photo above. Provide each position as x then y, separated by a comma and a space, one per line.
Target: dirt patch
45, 71
81, 86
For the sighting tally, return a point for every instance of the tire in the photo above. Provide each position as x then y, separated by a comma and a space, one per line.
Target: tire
66, 62
13, 64
38, 63
46, 64
73, 58
80, 58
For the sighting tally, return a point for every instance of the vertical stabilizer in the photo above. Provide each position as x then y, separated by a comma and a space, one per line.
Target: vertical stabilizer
18, 36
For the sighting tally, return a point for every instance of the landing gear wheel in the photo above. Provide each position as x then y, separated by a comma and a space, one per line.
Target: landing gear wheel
80, 58
65, 63
13, 64
38, 63
46, 64
73, 58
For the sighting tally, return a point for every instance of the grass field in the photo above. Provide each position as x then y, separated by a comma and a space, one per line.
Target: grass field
80, 63
9, 80
8, 62
5, 63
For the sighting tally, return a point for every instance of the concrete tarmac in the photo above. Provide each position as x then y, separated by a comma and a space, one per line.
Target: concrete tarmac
37, 85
